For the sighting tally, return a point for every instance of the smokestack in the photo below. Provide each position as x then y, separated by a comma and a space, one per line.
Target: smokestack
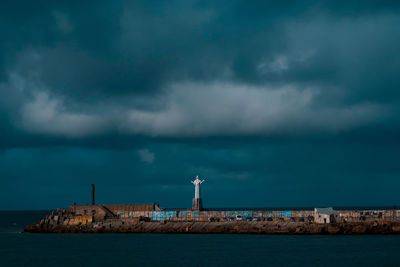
92, 194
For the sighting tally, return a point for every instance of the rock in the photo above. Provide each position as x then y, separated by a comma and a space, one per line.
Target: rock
396, 228
334, 229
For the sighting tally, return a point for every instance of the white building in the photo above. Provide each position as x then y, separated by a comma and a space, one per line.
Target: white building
325, 215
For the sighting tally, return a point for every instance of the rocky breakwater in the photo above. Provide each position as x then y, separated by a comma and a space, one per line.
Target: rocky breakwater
229, 227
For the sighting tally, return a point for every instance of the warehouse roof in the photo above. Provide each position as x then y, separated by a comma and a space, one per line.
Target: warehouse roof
134, 207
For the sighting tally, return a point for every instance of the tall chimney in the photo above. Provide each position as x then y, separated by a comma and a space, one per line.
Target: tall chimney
92, 194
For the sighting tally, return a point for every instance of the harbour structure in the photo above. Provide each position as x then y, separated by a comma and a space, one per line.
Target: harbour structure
130, 218
150, 218
77, 214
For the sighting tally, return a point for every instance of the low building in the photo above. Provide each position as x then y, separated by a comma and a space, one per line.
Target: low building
325, 215
101, 212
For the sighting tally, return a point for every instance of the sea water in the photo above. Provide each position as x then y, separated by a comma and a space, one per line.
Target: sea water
26, 249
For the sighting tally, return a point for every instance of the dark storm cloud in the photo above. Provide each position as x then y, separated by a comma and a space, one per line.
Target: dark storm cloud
140, 67
298, 97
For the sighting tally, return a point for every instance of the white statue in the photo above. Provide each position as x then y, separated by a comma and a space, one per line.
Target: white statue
197, 184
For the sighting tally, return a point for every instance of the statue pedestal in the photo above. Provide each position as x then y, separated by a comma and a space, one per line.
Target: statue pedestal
197, 204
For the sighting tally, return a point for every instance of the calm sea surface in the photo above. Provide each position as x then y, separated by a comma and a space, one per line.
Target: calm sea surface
23, 249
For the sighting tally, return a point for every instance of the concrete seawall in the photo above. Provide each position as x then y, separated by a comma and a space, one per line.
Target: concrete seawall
236, 227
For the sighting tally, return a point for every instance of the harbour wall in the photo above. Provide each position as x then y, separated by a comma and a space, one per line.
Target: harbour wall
100, 212
127, 219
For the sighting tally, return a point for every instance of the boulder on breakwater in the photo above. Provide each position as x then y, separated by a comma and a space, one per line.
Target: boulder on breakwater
236, 227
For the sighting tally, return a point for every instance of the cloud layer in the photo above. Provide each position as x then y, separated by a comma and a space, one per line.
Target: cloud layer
200, 109
202, 70
298, 97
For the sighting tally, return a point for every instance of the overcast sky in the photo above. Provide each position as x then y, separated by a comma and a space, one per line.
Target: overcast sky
294, 104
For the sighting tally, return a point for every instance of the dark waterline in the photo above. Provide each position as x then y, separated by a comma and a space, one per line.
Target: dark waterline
18, 248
